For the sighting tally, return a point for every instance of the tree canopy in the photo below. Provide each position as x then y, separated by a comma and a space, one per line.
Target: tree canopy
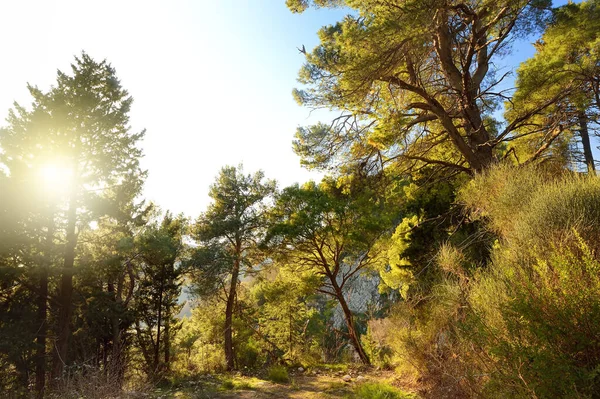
414, 81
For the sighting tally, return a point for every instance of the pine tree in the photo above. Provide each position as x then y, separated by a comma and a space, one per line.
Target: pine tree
327, 231
161, 250
566, 65
228, 233
414, 82
77, 135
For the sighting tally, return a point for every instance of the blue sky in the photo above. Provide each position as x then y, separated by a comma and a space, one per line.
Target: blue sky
211, 79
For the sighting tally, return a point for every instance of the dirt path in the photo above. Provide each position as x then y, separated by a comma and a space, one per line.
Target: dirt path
301, 386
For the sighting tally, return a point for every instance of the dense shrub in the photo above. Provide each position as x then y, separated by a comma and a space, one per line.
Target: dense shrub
535, 313
528, 323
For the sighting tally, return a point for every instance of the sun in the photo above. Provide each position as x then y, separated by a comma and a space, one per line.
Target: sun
55, 178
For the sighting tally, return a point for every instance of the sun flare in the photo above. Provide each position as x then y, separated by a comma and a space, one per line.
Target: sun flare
56, 178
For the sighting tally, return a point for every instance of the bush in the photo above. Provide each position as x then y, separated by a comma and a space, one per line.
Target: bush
374, 343
527, 324
543, 328
278, 374
534, 315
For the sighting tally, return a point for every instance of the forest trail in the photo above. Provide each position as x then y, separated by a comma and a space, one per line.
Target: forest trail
301, 386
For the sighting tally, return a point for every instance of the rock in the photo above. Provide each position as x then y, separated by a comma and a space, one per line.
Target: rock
347, 378
360, 378
301, 369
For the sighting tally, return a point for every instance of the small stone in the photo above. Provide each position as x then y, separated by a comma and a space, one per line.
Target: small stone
360, 378
347, 378
301, 369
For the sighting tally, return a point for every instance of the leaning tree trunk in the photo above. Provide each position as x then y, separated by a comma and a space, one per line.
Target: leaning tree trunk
349, 318
585, 141
229, 353
65, 297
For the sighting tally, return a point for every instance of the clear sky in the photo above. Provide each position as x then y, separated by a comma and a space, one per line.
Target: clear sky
211, 79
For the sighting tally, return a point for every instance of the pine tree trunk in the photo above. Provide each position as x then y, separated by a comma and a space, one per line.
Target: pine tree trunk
229, 354
158, 322
40, 361
585, 141
167, 339
349, 318
65, 297
354, 338
115, 366
42, 314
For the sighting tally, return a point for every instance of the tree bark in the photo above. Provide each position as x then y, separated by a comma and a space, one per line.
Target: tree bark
167, 339
115, 366
229, 353
42, 313
61, 350
158, 322
349, 318
585, 141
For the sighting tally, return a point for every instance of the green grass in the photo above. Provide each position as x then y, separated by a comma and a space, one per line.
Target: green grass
375, 390
228, 384
278, 374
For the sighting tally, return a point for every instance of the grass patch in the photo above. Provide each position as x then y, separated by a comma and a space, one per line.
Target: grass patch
334, 367
376, 390
238, 383
335, 386
227, 384
278, 374
244, 385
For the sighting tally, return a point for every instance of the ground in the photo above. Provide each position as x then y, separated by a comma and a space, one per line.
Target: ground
310, 384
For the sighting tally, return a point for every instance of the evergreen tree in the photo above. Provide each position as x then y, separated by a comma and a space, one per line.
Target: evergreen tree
77, 136
228, 234
161, 251
330, 233
567, 66
414, 81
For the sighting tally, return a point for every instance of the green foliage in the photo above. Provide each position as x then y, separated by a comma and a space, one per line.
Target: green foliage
413, 81
524, 325
375, 344
161, 250
328, 232
227, 384
278, 374
541, 326
287, 312
536, 308
71, 161
430, 218
228, 234
535, 206
200, 343
560, 80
